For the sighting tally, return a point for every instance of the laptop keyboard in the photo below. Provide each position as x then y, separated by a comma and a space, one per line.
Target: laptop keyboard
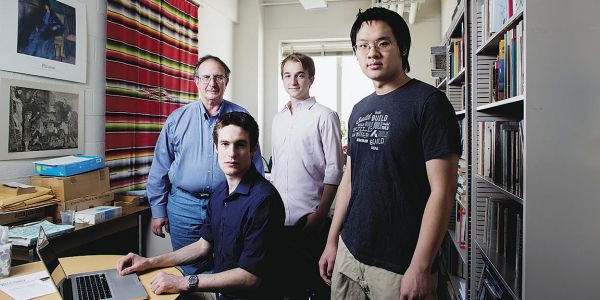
93, 287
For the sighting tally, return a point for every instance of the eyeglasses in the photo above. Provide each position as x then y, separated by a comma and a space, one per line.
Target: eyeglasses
383, 45
206, 78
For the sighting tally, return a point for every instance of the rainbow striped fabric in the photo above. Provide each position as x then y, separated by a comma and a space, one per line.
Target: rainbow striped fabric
151, 51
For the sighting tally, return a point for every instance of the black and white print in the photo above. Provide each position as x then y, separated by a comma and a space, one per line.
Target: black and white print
40, 120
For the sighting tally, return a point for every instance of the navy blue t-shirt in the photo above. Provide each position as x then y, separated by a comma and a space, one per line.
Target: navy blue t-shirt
390, 138
244, 229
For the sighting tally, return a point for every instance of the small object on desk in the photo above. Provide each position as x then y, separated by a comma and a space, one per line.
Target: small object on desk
68, 165
5, 248
141, 194
98, 214
103, 199
67, 217
27, 234
126, 202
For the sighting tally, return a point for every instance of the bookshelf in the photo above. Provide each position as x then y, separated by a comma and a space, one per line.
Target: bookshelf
498, 123
455, 252
530, 119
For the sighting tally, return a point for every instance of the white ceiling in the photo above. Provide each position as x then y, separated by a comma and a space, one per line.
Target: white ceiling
428, 9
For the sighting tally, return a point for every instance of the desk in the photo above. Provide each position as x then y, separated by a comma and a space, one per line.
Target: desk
80, 264
69, 244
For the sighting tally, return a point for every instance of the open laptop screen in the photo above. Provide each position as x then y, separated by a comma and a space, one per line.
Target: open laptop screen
50, 259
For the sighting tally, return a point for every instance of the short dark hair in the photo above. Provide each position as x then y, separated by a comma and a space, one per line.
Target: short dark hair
215, 58
392, 19
305, 60
241, 119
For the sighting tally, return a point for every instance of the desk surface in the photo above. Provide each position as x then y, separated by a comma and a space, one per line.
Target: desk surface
79, 264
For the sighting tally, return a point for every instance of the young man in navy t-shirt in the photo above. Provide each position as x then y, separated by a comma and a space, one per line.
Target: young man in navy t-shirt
395, 199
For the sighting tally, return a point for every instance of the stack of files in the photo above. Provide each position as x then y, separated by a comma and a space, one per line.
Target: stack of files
17, 196
26, 235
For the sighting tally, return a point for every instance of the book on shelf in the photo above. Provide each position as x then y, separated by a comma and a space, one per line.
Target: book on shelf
502, 230
501, 154
495, 13
489, 287
506, 73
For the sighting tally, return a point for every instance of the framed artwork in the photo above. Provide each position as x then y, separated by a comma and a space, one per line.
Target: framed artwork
44, 38
40, 120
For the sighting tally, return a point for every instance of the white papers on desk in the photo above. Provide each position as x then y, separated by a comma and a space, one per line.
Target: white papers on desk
62, 160
28, 286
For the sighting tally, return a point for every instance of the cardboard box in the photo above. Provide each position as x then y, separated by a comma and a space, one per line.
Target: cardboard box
73, 187
68, 165
20, 216
97, 214
104, 199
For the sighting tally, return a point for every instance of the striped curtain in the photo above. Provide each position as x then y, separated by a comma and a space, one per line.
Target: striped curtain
151, 50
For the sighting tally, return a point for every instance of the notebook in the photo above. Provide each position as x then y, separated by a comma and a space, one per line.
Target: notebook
105, 284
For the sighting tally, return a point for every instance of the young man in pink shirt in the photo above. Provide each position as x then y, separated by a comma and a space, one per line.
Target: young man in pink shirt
307, 168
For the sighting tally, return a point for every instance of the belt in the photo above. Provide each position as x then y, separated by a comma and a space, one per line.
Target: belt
199, 195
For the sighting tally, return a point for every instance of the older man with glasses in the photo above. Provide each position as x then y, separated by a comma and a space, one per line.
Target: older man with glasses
185, 170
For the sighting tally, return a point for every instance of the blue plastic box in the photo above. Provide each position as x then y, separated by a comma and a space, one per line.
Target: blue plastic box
68, 165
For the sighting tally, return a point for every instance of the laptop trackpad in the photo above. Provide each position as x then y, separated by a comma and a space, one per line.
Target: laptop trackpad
125, 287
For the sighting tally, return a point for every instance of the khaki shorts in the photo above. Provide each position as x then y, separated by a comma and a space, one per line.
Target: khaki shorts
352, 279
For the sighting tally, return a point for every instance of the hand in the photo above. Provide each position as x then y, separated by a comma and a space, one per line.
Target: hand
327, 262
131, 263
168, 283
157, 225
416, 284
314, 221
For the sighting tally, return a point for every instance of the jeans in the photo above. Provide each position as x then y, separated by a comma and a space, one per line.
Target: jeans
186, 215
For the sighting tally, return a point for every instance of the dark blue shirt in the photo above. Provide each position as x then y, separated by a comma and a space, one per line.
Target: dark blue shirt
390, 139
244, 228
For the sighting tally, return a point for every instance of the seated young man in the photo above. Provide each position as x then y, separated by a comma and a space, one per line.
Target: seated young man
244, 224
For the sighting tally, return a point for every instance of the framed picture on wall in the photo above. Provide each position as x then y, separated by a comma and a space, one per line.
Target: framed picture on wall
40, 120
45, 38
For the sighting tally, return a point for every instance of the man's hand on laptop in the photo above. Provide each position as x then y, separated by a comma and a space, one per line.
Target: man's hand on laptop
131, 263
168, 283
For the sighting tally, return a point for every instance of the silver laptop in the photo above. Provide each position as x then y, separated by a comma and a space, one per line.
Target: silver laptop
106, 284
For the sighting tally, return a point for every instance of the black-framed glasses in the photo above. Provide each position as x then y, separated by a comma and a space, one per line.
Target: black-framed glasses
217, 78
382, 45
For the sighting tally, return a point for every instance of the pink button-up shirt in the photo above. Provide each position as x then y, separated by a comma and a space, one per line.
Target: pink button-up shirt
307, 153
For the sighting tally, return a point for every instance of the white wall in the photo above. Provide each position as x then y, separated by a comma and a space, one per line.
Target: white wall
291, 22
20, 170
215, 32
424, 33
247, 80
